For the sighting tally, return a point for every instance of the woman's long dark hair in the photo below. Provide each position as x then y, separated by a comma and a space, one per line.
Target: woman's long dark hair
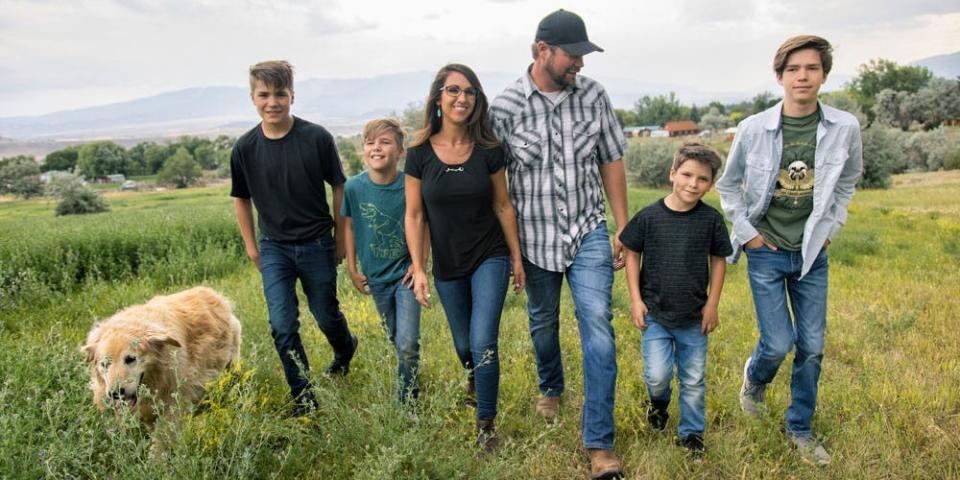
478, 124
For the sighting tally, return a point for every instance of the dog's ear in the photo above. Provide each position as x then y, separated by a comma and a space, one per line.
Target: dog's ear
159, 341
90, 350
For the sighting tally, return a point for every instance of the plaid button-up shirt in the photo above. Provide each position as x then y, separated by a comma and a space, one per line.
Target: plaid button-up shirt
554, 150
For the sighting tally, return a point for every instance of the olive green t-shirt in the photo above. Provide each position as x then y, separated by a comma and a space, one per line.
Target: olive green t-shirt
792, 199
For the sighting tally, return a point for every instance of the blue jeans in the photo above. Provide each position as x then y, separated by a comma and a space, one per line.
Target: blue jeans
664, 347
775, 279
313, 263
590, 278
473, 305
400, 314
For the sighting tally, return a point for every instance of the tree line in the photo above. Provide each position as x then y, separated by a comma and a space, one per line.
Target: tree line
179, 163
902, 111
904, 96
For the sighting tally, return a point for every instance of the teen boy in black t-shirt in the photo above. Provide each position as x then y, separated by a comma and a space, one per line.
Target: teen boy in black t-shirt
281, 166
683, 242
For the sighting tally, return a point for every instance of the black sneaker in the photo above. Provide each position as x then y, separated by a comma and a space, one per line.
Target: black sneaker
657, 417
693, 443
340, 366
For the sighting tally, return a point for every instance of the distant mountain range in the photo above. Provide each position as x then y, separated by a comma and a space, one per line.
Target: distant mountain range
946, 66
342, 105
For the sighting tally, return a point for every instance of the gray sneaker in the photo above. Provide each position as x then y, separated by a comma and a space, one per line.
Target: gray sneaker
811, 450
752, 395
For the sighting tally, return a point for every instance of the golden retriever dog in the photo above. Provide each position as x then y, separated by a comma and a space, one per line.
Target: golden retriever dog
146, 353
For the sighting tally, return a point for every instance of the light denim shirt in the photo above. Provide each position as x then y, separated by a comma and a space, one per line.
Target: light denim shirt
750, 175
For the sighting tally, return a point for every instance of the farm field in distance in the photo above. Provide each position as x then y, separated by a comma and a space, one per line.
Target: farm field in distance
889, 393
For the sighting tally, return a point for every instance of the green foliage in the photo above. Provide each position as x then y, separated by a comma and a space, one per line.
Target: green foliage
626, 117
929, 107
740, 110
881, 74
350, 149
843, 100
101, 158
63, 160
660, 109
154, 156
79, 199
137, 159
952, 162
223, 142
51, 430
180, 170
648, 161
222, 159
715, 121
20, 176
926, 151
168, 238
205, 155
411, 119
881, 151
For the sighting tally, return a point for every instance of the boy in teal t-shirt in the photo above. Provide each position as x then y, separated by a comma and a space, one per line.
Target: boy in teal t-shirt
373, 209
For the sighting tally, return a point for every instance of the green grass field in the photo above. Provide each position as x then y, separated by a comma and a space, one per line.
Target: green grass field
889, 393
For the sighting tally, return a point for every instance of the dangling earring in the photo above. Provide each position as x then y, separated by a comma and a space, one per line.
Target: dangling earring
438, 113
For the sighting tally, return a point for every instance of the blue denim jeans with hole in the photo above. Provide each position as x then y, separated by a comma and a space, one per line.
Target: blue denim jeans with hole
400, 315
775, 281
590, 278
473, 305
686, 349
313, 263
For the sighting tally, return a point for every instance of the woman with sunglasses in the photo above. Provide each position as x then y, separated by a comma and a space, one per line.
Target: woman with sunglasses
456, 190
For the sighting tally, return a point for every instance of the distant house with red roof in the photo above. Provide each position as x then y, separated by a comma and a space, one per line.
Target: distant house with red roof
681, 127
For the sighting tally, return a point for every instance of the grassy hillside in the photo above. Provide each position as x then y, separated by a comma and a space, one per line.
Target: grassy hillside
889, 398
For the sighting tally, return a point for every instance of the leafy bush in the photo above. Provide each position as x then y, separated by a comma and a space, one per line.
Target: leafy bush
952, 162
75, 197
881, 151
648, 162
926, 151
20, 176
181, 169
79, 201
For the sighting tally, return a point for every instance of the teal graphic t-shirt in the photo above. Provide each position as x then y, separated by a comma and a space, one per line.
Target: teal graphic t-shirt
792, 199
377, 215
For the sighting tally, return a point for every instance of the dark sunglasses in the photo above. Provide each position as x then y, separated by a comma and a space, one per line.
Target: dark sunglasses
455, 91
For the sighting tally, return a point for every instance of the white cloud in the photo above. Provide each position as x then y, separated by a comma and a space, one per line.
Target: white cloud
105, 50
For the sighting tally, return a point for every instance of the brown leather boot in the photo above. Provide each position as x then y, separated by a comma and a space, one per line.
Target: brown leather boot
548, 408
486, 436
604, 464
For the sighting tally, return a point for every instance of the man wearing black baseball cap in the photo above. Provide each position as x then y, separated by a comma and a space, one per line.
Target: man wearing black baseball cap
564, 150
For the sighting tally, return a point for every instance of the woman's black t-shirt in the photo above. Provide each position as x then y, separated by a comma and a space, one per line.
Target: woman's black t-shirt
458, 205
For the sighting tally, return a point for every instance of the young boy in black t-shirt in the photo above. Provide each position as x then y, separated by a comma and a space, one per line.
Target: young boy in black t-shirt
682, 242
281, 166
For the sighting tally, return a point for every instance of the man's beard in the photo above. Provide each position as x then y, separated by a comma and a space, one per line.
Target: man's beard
558, 78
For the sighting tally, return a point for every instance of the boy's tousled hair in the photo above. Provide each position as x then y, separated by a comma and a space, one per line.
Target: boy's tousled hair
273, 73
375, 128
801, 42
700, 153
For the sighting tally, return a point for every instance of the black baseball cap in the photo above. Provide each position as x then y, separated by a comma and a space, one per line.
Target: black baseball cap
566, 30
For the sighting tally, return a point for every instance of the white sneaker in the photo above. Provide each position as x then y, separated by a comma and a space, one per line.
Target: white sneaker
811, 450
752, 395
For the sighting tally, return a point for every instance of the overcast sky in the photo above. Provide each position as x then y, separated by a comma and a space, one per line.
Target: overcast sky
63, 54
